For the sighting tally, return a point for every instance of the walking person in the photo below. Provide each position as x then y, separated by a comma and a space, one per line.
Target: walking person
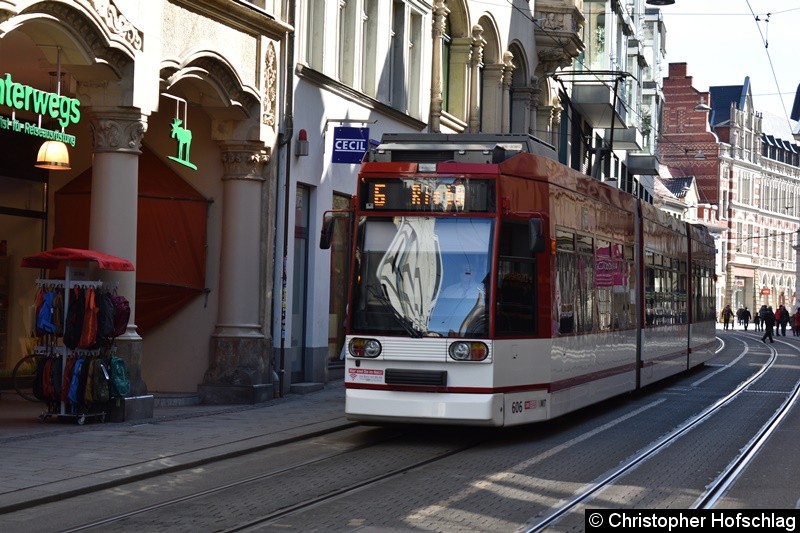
727, 314
796, 323
782, 318
769, 322
757, 322
746, 316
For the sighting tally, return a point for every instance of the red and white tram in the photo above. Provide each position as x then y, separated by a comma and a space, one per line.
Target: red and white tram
494, 286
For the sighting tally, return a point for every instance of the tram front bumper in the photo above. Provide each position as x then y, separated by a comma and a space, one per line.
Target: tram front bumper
424, 407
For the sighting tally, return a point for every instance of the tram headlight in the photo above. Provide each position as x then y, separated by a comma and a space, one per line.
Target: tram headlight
468, 351
360, 347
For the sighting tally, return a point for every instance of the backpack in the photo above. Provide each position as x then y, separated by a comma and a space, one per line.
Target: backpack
122, 313
105, 315
38, 380
73, 326
89, 327
118, 374
100, 393
44, 318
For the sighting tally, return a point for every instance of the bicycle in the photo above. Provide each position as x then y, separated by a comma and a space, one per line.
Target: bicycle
24, 368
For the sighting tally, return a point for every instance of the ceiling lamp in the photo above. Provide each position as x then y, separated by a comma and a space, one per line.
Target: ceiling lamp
53, 155
660, 2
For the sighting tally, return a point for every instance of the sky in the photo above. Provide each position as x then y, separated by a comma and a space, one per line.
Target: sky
721, 43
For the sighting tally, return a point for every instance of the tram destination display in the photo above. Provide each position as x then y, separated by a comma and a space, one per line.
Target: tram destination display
428, 195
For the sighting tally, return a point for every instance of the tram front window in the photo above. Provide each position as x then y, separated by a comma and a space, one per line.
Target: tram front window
422, 276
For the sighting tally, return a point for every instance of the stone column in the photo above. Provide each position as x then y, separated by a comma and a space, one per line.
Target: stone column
116, 144
440, 13
475, 65
508, 73
522, 103
239, 371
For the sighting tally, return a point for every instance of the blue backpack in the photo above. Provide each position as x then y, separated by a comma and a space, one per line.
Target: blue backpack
44, 319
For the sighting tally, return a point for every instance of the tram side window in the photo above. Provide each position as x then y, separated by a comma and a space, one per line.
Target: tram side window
613, 282
576, 307
665, 291
516, 283
703, 292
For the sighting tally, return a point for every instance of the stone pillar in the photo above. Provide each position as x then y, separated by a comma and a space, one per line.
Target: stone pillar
475, 65
440, 12
240, 367
508, 72
116, 144
522, 104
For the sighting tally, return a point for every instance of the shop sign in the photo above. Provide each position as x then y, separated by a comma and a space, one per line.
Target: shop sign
765, 291
19, 97
181, 134
349, 144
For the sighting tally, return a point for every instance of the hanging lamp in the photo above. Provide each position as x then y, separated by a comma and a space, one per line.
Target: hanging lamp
53, 155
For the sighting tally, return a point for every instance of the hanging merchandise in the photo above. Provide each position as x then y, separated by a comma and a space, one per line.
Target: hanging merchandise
76, 383
89, 325
73, 327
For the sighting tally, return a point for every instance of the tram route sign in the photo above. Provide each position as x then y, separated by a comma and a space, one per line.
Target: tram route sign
349, 144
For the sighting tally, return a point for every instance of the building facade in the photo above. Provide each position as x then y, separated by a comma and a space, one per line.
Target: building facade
171, 104
452, 66
749, 173
251, 114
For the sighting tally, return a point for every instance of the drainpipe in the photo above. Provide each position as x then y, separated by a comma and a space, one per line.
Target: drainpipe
285, 145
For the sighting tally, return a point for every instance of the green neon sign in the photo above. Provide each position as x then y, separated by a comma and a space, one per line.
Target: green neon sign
181, 134
21, 97
184, 140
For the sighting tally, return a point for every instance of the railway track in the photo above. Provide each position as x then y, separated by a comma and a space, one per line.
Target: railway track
717, 487
404, 476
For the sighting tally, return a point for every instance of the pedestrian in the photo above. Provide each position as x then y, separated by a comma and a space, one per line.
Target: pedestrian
796, 323
727, 314
757, 322
782, 318
769, 322
746, 316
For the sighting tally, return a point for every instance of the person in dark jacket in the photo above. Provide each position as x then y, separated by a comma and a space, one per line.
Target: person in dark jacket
768, 319
782, 318
746, 316
796, 323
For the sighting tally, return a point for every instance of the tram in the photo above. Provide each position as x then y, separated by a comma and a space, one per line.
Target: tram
494, 286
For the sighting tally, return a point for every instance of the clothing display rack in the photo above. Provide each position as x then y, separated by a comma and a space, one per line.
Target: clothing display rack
61, 352
58, 349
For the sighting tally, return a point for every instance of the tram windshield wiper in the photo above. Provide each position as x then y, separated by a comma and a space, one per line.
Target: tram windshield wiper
404, 322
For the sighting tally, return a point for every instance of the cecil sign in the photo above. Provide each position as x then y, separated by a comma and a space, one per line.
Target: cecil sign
349, 144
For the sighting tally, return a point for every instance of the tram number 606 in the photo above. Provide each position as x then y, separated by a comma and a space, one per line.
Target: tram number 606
516, 407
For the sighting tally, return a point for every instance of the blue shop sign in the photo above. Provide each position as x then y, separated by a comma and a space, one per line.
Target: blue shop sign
349, 144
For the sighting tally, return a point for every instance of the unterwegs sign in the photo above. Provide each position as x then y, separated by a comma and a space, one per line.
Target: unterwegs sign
63, 109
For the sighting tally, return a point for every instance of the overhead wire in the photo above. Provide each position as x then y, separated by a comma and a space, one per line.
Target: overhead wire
765, 40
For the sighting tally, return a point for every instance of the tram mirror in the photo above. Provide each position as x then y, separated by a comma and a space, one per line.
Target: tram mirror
536, 235
329, 219
325, 238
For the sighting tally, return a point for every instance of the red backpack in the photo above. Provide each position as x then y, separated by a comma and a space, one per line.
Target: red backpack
122, 313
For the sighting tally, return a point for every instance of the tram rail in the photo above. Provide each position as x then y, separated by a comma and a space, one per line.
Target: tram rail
717, 488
